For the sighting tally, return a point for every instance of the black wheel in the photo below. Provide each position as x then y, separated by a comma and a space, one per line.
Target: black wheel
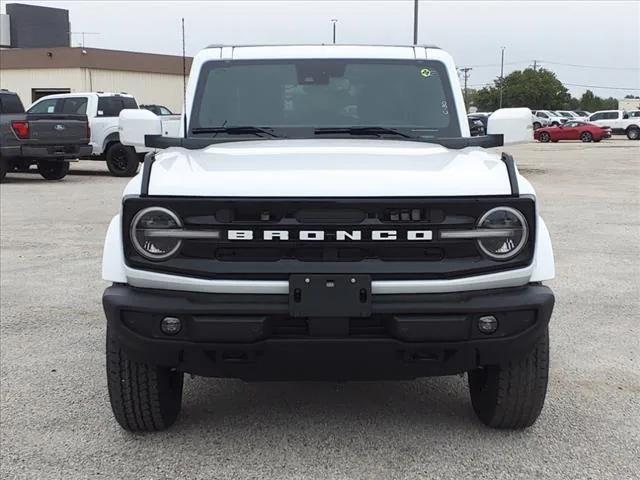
633, 133
586, 137
536, 125
512, 395
3, 169
544, 137
53, 169
144, 397
122, 161
554, 124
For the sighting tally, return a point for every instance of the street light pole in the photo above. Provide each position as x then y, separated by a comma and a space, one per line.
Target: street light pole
415, 22
334, 21
501, 75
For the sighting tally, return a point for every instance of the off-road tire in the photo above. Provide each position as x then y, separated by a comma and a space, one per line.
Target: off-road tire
544, 137
144, 397
633, 133
586, 137
512, 395
53, 169
122, 161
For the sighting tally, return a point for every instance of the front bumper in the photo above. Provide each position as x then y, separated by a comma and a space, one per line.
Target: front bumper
254, 337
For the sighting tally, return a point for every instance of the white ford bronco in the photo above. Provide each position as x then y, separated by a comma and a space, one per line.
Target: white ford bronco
324, 214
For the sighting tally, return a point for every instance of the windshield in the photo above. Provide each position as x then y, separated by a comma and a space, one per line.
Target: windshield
566, 114
295, 98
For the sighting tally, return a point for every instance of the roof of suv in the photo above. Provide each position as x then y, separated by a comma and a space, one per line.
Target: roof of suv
318, 45
82, 94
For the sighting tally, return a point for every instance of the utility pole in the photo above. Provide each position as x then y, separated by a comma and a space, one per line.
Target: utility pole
334, 21
501, 75
415, 22
535, 65
465, 72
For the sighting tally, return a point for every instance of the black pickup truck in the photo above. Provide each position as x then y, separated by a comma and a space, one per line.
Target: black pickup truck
48, 140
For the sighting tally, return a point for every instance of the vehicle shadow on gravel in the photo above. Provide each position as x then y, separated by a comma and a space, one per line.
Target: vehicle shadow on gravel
428, 402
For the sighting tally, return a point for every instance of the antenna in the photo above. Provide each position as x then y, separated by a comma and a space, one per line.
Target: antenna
184, 81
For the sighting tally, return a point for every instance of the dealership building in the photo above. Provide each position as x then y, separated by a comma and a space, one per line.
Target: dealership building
36, 59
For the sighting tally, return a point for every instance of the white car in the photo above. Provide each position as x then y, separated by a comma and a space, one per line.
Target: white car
619, 121
102, 110
316, 221
571, 115
553, 118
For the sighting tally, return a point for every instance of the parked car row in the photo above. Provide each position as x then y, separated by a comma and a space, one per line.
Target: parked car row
582, 125
57, 128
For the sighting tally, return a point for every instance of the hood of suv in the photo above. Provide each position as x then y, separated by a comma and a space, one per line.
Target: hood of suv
326, 168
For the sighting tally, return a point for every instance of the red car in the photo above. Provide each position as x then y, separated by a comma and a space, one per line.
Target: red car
572, 130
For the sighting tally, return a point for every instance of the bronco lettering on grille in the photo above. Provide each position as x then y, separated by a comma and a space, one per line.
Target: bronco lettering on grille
322, 235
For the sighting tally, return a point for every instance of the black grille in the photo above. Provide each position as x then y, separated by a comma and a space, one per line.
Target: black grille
397, 259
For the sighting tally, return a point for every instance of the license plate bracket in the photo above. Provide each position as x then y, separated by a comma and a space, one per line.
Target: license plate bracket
330, 295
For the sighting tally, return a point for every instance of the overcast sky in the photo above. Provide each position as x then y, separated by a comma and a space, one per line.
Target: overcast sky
601, 38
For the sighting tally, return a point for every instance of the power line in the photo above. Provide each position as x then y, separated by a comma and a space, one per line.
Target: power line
600, 67
600, 86
537, 62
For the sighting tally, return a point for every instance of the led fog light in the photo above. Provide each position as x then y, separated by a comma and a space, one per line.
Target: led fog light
170, 325
488, 324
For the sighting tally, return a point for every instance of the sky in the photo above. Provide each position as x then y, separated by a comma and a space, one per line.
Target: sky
583, 42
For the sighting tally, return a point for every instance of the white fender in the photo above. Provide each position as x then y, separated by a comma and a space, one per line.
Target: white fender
543, 263
113, 256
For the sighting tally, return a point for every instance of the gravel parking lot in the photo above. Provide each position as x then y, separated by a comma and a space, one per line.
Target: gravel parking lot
56, 420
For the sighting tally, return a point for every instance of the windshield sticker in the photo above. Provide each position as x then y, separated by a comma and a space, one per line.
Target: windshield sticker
445, 108
425, 72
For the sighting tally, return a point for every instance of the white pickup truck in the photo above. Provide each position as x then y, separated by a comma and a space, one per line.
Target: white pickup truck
618, 121
102, 110
326, 215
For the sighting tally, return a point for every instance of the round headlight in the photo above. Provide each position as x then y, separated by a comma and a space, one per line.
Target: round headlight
151, 233
511, 233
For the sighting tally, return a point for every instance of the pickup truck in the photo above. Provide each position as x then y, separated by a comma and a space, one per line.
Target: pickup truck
103, 109
325, 214
48, 140
618, 121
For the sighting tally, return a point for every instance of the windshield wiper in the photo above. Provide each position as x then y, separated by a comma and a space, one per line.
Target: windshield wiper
236, 130
379, 131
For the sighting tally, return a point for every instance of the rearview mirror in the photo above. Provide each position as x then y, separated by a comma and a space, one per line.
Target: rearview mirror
135, 124
513, 123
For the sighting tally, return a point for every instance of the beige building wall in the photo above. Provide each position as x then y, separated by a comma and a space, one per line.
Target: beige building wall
159, 88
22, 81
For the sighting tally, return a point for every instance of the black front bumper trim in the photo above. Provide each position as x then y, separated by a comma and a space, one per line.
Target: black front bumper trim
255, 337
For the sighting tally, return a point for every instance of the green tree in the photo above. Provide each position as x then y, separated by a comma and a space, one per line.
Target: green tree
536, 89
592, 103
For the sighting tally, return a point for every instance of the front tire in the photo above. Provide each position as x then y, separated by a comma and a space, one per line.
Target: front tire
144, 397
122, 161
586, 137
512, 395
633, 133
536, 125
53, 169
544, 137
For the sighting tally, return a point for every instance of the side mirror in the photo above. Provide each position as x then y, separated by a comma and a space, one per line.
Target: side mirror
135, 124
514, 124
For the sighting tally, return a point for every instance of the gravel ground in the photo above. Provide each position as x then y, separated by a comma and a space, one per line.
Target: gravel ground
56, 420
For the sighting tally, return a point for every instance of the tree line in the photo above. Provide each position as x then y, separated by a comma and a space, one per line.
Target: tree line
538, 89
